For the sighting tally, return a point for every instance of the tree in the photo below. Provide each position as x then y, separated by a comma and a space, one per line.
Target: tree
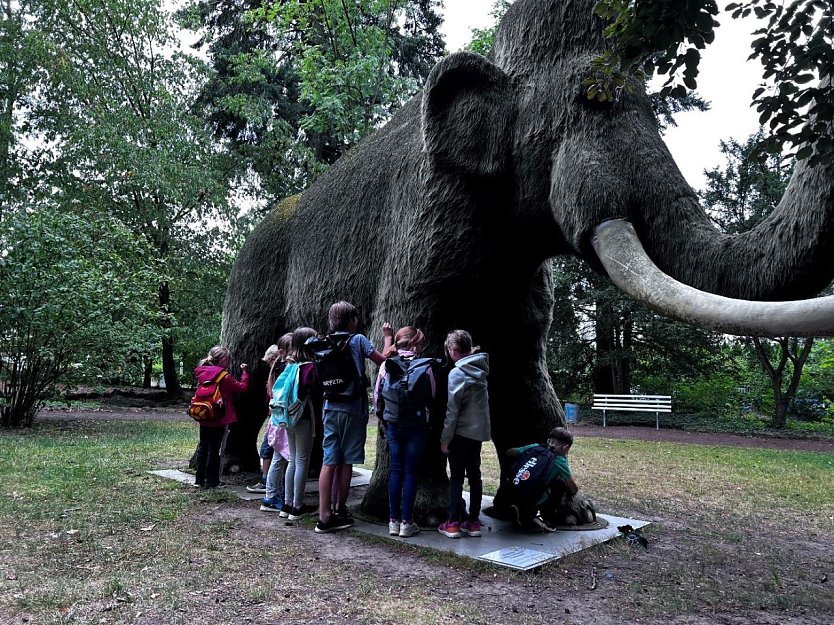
21, 57
617, 342
784, 350
301, 84
796, 49
77, 303
115, 107
483, 39
742, 194
739, 197
303, 81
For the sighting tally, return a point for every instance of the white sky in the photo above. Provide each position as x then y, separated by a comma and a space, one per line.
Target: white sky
727, 80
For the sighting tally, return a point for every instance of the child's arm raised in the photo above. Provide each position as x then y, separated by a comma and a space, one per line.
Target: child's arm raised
387, 341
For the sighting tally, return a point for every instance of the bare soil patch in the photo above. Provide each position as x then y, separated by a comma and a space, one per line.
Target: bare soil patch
703, 438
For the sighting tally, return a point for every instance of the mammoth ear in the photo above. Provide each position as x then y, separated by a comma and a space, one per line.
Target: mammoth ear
468, 109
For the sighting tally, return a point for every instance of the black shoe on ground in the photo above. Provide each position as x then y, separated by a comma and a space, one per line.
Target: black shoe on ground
344, 513
298, 513
333, 524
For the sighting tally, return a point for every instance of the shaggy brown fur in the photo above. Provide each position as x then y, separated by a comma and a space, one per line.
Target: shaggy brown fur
445, 218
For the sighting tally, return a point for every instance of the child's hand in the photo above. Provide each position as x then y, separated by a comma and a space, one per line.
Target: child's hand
444, 448
387, 330
243, 366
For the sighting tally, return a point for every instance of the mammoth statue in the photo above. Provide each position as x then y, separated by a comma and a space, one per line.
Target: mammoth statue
446, 218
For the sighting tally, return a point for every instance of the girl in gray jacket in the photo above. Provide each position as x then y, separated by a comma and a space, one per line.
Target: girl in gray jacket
465, 429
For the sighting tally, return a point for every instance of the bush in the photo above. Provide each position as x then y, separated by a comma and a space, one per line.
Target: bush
78, 301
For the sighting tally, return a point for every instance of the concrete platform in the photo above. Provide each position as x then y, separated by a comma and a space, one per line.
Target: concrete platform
508, 546
361, 477
501, 543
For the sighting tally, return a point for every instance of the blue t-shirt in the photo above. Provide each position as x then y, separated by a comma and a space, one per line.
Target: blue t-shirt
360, 349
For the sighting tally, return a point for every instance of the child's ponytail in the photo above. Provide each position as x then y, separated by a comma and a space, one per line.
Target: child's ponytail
461, 340
406, 338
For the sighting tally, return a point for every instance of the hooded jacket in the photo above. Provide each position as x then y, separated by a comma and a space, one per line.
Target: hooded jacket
467, 409
228, 387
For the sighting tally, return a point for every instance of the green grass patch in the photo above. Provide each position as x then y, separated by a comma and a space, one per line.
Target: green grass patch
87, 534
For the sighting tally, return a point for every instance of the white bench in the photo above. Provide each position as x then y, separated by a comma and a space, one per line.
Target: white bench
633, 403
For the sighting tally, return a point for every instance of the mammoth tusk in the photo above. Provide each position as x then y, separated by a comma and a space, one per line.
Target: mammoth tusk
630, 268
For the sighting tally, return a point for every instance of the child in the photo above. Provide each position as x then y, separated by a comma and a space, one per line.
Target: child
466, 427
301, 435
260, 378
276, 441
345, 421
540, 478
405, 433
213, 432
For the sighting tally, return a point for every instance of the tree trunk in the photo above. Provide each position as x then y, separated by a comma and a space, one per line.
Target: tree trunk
780, 413
604, 375
789, 351
147, 378
169, 365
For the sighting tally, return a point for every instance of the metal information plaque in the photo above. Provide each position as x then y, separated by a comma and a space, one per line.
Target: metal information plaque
518, 558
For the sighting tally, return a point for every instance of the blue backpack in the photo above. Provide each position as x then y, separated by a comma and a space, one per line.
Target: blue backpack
285, 408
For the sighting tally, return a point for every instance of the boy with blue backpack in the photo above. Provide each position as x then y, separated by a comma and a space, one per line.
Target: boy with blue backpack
340, 364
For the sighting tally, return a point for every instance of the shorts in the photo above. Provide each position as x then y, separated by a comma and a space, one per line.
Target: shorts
344, 437
266, 450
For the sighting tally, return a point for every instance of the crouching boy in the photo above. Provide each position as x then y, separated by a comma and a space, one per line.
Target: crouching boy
540, 479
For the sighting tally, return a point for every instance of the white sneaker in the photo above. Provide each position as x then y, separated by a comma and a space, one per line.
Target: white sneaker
285, 513
394, 528
407, 530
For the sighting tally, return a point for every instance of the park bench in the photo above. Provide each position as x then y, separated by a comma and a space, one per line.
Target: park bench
633, 403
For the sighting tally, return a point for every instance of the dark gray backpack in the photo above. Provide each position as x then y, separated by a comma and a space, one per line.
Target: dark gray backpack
406, 390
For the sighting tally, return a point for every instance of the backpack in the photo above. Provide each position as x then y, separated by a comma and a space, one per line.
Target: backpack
528, 478
285, 408
335, 366
406, 390
207, 403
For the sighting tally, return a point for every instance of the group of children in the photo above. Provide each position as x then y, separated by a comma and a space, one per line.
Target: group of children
285, 451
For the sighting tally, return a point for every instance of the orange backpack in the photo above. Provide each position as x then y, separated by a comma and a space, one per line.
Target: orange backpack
207, 403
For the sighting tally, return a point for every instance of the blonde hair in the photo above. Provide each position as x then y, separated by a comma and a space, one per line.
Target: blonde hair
406, 338
271, 354
215, 355
461, 340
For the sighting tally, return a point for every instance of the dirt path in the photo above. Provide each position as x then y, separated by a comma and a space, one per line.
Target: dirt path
702, 438
620, 432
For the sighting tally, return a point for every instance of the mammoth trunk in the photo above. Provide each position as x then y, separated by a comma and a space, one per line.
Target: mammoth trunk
626, 206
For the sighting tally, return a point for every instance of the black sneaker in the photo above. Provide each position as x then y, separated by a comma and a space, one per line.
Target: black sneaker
344, 513
299, 513
333, 524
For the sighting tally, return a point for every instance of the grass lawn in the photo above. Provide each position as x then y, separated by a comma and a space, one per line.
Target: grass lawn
87, 536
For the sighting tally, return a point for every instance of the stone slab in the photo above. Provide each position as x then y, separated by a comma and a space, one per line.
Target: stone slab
501, 543
505, 545
361, 477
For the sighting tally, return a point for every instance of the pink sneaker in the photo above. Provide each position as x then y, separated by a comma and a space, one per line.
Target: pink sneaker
471, 528
450, 529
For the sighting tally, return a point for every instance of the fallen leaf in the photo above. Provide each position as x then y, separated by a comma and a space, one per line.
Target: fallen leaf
147, 529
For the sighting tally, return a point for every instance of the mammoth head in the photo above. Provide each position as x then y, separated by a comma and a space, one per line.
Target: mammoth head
603, 181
